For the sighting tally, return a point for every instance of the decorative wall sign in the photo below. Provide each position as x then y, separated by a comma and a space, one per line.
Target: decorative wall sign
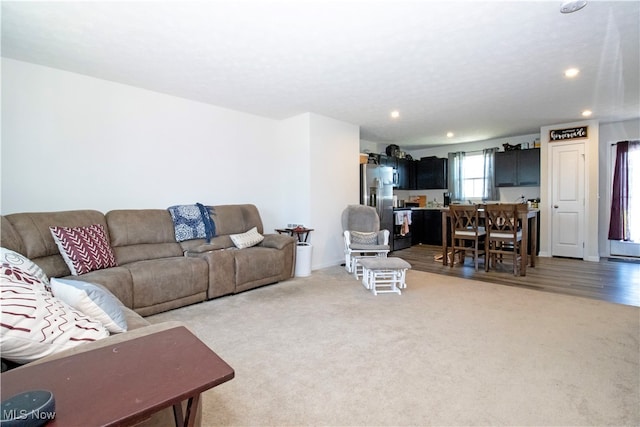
571, 133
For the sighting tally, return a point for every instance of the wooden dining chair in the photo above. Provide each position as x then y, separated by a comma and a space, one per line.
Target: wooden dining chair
467, 234
504, 234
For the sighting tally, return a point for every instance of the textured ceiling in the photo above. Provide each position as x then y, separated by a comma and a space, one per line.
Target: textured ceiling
479, 69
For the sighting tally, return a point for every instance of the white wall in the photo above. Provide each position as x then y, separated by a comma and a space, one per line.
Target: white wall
323, 180
294, 188
367, 147
74, 142
334, 184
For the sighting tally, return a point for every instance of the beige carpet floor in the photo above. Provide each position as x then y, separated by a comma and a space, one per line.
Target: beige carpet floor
324, 351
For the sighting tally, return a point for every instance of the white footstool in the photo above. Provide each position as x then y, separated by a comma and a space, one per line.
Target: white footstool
356, 266
384, 275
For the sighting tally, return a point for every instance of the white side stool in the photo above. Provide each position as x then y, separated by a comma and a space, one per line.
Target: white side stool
384, 275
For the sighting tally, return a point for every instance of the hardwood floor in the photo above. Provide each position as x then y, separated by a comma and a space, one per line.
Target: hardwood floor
607, 280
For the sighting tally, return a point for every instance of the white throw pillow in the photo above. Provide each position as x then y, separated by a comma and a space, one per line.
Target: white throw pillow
36, 324
248, 239
9, 258
93, 300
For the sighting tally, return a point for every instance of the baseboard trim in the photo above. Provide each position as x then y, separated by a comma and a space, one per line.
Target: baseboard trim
632, 260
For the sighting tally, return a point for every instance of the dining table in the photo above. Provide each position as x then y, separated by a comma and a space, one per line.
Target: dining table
529, 222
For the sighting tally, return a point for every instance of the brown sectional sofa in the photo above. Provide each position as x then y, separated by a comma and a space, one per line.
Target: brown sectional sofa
156, 273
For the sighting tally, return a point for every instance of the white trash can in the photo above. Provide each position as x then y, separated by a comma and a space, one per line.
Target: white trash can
303, 259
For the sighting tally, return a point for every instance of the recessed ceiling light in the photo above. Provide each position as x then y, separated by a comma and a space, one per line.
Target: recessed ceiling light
449, 134
587, 113
395, 114
571, 72
572, 6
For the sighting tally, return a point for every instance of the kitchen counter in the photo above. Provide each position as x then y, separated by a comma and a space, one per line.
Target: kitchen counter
414, 208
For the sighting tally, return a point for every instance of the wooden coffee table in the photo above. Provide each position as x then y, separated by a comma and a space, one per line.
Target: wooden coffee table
125, 383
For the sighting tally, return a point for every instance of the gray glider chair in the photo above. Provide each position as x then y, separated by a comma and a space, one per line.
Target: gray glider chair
362, 236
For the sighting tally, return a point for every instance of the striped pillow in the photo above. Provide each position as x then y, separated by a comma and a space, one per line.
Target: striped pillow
84, 249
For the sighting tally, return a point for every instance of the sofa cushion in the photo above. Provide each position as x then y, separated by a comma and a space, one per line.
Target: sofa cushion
11, 239
247, 239
141, 234
117, 280
84, 249
234, 219
93, 300
200, 248
258, 265
163, 280
36, 324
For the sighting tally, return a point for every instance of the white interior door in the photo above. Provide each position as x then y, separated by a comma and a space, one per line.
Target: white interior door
567, 200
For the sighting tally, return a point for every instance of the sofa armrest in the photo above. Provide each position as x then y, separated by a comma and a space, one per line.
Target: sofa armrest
277, 241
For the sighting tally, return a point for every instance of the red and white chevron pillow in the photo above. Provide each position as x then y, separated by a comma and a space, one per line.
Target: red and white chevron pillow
84, 249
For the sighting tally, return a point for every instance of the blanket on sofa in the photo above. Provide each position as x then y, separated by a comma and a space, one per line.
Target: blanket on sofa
193, 222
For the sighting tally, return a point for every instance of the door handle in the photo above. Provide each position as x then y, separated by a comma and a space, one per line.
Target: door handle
556, 206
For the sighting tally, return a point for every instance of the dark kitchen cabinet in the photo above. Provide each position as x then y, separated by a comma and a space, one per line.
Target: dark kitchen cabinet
426, 227
529, 167
417, 226
431, 173
406, 174
505, 172
404, 171
518, 168
433, 227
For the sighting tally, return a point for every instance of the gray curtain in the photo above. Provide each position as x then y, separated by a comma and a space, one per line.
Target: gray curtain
489, 190
456, 175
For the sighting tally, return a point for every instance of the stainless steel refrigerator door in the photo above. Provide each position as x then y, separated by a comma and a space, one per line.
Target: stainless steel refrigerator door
376, 190
369, 184
385, 202
387, 175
